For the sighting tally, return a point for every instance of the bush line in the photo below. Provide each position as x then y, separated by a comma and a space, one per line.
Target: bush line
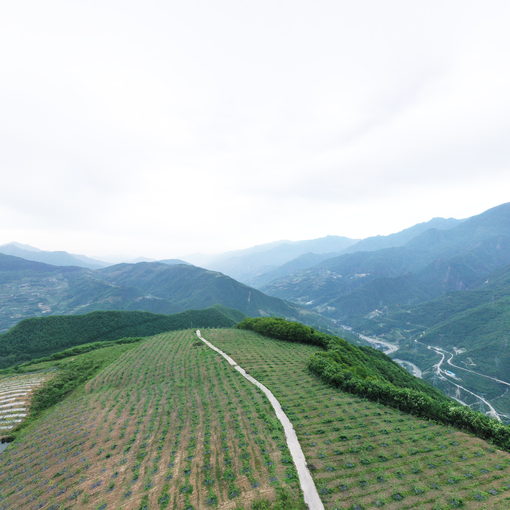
366, 372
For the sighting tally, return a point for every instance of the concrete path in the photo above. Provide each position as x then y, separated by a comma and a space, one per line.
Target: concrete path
311, 496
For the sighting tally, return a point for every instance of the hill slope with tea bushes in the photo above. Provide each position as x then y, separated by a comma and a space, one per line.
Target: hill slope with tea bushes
367, 372
166, 423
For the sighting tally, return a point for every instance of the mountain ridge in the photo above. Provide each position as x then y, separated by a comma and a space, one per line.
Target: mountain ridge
43, 289
56, 258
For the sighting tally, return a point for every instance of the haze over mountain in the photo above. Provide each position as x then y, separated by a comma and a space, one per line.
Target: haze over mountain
248, 264
56, 258
434, 262
369, 244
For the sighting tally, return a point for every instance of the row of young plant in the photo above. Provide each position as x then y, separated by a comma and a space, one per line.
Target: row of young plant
363, 454
167, 425
73, 373
343, 365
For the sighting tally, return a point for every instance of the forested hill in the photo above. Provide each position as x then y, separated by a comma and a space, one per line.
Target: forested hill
33, 338
30, 289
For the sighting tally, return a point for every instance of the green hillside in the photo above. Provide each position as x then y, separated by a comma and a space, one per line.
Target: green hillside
34, 338
369, 373
180, 287
476, 321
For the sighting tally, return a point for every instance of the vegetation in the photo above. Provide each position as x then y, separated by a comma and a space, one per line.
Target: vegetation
33, 338
166, 425
470, 324
363, 454
77, 371
368, 373
357, 362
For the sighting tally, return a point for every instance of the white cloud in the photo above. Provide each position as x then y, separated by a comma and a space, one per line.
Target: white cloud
171, 127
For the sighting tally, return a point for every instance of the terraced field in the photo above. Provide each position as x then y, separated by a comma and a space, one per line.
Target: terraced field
168, 425
15, 394
365, 455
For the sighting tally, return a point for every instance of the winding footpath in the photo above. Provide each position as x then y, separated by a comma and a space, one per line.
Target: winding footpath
310, 493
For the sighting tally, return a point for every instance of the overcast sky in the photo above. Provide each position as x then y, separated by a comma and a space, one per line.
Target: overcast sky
161, 128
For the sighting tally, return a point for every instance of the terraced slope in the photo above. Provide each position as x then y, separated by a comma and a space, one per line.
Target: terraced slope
15, 394
365, 455
169, 425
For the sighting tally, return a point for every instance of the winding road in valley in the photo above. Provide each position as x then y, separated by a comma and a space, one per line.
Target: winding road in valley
310, 493
446, 376
449, 361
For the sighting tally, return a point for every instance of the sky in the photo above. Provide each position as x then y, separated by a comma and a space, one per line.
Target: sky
164, 128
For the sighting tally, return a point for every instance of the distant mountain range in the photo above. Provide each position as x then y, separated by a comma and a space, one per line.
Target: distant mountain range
252, 263
366, 284
29, 289
56, 258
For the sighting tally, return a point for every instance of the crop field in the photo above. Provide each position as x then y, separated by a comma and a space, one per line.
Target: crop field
168, 425
365, 455
15, 393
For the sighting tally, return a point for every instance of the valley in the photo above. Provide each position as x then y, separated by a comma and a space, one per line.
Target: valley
433, 371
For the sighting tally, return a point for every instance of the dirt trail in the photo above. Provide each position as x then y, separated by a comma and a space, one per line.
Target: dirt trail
310, 494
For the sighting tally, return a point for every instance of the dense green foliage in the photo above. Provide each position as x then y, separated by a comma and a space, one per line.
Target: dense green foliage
410, 400
41, 336
371, 374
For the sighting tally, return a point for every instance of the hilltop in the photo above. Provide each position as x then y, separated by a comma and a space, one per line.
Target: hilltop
41, 336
